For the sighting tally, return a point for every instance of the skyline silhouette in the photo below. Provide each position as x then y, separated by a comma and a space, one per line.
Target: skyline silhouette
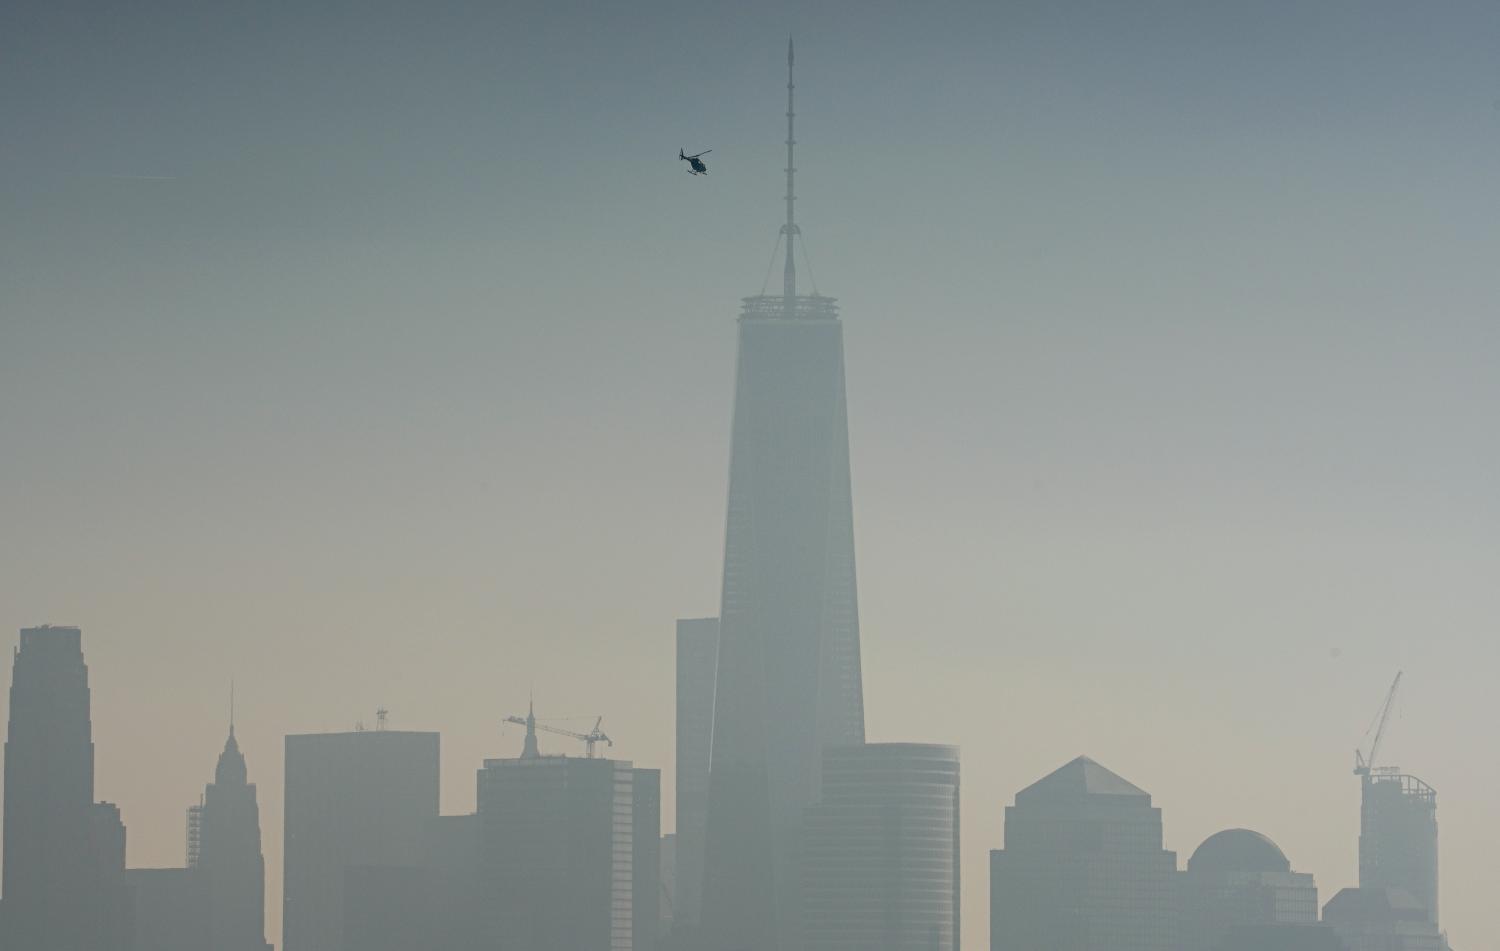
1169, 381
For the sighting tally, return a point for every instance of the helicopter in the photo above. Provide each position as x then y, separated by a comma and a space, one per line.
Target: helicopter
696, 165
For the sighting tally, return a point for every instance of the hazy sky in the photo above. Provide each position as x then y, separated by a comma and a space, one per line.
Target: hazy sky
381, 354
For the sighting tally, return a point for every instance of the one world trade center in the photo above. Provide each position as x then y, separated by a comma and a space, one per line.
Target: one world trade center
788, 678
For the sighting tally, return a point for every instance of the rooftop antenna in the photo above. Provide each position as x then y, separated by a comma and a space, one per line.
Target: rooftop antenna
789, 289
231, 706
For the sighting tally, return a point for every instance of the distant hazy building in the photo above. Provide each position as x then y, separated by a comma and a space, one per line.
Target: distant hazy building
558, 851
645, 869
170, 909
353, 800
451, 858
668, 867
1382, 919
1083, 868
788, 681
224, 844
697, 660
389, 908
1237, 880
1398, 836
882, 854
63, 885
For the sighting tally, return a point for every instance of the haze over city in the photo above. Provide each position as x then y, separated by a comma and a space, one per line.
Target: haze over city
382, 356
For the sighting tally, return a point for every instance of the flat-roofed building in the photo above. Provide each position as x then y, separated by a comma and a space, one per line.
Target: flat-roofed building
352, 800
881, 860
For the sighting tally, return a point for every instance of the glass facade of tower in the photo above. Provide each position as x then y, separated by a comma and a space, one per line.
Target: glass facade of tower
557, 852
788, 680
881, 858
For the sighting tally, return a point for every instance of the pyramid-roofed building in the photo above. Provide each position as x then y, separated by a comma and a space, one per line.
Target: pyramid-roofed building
1083, 867
1081, 777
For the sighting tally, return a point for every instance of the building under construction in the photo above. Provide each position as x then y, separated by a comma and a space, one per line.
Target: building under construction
1398, 836
1398, 833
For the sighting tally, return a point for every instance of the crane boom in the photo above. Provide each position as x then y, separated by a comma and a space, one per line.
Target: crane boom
1364, 764
594, 736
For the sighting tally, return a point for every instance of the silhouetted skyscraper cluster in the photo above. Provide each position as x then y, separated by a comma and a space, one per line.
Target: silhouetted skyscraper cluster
1083, 869
65, 884
793, 833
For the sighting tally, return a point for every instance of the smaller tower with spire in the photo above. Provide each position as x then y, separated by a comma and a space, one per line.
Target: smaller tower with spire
228, 849
530, 750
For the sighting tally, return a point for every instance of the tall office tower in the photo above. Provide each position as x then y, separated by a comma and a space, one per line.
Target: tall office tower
1382, 919
788, 682
353, 800
1398, 836
1238, 879
557, 861
61, 887
881, 857
697, 658
224, 844
1083, 868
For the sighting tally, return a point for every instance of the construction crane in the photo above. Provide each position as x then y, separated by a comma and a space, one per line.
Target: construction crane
1365, 764
590, 739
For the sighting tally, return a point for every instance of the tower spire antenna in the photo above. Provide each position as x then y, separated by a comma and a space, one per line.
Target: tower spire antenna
789, 289
231, 706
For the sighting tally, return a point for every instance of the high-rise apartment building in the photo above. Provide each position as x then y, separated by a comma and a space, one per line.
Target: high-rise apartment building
64, 855
881, 861
1083, 868
697, 660
1398, 836
788, 674
353, 800
224, 846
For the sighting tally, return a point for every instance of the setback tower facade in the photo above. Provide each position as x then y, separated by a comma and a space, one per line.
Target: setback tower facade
63, 885
226, 852
788, 680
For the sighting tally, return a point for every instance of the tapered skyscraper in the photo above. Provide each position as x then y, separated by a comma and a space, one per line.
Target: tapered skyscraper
228, 853
64, 853
788, 677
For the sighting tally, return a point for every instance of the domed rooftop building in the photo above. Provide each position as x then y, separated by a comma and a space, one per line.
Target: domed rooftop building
1239, 879
1238, 850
